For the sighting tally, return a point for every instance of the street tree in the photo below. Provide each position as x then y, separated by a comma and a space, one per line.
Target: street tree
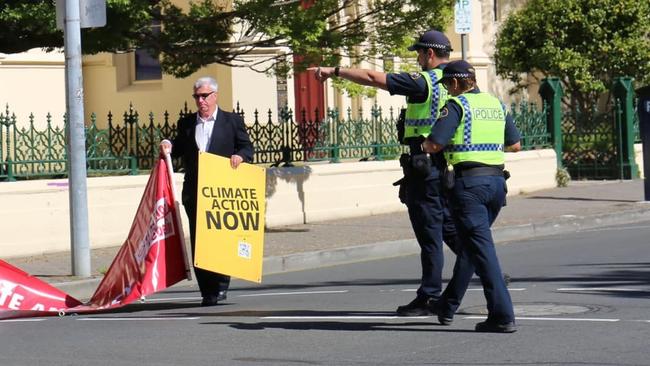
195, 34
585, 43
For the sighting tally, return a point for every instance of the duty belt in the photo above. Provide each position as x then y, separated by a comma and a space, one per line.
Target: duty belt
478, 171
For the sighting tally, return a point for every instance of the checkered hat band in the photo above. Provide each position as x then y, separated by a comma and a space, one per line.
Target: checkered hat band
474, 147
458, 75
432, 45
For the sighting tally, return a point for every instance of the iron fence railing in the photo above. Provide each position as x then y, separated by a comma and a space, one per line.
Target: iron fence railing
637, 132
131, 145
532, 125
590, 141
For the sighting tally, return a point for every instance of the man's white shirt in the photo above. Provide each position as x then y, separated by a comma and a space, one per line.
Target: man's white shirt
203, 131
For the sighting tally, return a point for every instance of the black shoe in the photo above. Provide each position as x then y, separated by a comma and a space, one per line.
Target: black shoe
490, 327
222, 295
418, 307
444, 320
210, 301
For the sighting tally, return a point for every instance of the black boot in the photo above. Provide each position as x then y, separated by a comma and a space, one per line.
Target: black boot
418, 307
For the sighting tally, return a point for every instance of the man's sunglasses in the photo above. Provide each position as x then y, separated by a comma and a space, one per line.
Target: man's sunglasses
202, 95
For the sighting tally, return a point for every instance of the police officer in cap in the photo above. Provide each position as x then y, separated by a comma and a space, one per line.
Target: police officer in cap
421, 189
474, 129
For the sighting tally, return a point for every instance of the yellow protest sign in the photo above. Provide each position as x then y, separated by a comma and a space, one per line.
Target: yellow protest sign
230, 218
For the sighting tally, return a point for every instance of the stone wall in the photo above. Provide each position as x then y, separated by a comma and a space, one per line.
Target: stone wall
34, 215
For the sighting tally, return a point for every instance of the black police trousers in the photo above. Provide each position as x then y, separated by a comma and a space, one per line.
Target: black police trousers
432, 224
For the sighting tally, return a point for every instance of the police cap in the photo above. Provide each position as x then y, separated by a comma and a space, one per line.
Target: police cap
432, 39
460, 69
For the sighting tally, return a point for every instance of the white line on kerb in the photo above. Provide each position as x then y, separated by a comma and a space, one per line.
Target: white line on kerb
619, 289
128, 319
558, 319
295, 293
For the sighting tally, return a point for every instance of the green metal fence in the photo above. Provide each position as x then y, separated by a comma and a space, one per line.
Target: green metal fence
590, 143
597, 143
130, 144
29, 152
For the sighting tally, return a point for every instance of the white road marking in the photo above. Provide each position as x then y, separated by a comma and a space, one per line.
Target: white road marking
165, 299
21, 320
343, 317
475, 289
509, 289
143, 318
558, 319
295, 293
617, 289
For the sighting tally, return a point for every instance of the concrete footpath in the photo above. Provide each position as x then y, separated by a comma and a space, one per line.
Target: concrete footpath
582, 205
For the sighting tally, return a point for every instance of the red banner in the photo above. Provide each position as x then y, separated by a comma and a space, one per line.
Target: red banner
151, 259
24, 295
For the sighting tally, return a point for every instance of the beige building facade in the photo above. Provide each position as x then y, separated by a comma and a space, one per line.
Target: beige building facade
111, 85
33, 82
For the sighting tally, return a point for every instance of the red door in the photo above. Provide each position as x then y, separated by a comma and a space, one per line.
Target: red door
309, 92
310, 96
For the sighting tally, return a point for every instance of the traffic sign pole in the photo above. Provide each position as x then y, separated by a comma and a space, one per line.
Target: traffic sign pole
463, 23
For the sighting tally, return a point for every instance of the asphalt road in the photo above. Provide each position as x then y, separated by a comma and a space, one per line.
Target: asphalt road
580, 299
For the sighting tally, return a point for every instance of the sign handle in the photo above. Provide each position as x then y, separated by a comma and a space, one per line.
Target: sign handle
179, 222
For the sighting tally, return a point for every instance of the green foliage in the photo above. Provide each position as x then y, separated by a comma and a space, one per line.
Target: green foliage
586, 43
32, 24
354, 89
207, 32
25, 25
562, 177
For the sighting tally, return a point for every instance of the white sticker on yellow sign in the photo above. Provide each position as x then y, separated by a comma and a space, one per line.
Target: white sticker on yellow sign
230, 218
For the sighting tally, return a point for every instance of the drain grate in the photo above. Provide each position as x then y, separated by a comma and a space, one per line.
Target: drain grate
540, 309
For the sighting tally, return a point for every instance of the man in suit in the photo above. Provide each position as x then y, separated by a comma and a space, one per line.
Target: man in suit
214, 131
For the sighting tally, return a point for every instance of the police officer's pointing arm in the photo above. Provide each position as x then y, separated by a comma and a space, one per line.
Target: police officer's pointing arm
365, 77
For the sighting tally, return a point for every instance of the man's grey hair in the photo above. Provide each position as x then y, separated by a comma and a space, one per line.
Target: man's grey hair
206, 80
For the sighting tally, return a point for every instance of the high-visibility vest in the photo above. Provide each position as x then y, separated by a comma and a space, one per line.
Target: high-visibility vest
420, 117
480, 135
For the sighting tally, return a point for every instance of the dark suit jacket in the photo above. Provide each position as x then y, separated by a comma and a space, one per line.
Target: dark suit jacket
229, 137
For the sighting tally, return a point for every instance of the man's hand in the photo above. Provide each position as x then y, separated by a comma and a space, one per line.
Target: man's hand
235, 160
165, 147
322, 73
